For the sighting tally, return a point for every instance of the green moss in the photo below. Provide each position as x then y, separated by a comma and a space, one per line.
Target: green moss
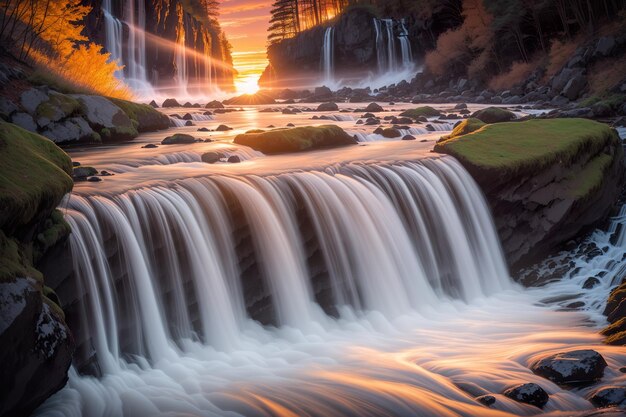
49, 79
425, 111
143, 116
34, 175
66, 104
590, 178
494, 115
105, 133
530, 145
466, 126
297, 139
613, 100
55, 229
15, 260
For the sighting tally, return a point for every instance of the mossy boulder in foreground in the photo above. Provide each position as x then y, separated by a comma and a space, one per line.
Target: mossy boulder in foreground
36, 345
463, 128
297, 139
545, 180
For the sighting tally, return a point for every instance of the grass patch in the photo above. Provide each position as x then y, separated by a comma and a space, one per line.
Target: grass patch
425, 111
34, 175
297, 139
466, 126
590, 178
529, 145
47, 78
15, 261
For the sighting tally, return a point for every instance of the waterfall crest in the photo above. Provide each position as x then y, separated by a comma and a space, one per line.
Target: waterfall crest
164, 265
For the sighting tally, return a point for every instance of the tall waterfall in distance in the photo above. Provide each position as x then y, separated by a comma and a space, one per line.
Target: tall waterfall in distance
134, 61
391, 46
328, 54
175, 272
405, 46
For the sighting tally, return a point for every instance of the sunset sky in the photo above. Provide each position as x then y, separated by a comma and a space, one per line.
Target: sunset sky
245, 23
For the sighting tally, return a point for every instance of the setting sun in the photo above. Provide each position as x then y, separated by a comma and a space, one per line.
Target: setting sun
247, 85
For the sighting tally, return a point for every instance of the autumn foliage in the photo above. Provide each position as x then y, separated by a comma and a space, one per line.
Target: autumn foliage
48, 33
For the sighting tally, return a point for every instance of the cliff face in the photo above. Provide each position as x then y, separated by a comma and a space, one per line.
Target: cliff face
298, 60
561, 178
181, 43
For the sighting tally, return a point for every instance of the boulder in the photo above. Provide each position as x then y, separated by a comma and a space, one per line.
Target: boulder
486, 400
25, 121
84, 172
409, 137
7, 107
102, 114
330, 106
609, 397
297, 139
424, 111
605, 46
234, 159
170, 102
529, 393
574, 87
374, 108
590, 283
578, 367
214, 105
75, 129
144, 117
223, 128
31, 99
153, 104
177, 139
211, 157
460, 106
494, 115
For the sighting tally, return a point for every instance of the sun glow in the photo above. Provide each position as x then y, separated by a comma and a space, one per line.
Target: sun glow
247, 85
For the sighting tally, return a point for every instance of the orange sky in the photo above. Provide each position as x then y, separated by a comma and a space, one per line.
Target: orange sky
245, 23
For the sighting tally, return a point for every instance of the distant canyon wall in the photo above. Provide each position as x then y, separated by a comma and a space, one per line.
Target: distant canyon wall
362, 45
169, 45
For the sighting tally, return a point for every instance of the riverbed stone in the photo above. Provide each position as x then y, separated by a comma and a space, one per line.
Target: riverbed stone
529, 393
31, 99
211, 157
177, 139
578, 367
609, 397
330, 106
25, 121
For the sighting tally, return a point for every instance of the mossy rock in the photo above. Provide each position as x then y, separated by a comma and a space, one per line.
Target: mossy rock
530, 146
57, 107
494, 115
466, 126
55, 229
177, 139
15, 260
297, 139
34, 175
424, 111
145, 117
84, 172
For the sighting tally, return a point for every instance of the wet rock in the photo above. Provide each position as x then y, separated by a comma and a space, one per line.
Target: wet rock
590, 283
211, 157
234, 159
170, 102
188, 105
460, 106
153, 104
189, 123
486, 400
94, 179
578, 367
214, 105
494, 115
330, 106
529, 393
223, 128
374, 108
178, 138
203, 129
187, 116
290, 125
105, 173
575, 86
409, 137
609, 397
150, 146
83, 172
372, 122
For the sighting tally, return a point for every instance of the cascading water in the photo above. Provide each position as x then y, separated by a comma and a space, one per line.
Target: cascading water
180, 57
134, 61
391, 46
328, 55
405, 46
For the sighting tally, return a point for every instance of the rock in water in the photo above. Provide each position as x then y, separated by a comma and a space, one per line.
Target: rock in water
529, 393
214, 105
211, 157
170, 102
328, 107
578, 367
234, 159
494, 115
223, 128
178, 138
374, 108
609, 397
486, 400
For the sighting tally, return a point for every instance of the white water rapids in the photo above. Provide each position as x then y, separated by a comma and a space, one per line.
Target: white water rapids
383, 279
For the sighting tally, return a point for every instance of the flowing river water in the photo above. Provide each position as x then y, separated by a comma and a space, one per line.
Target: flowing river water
376, 270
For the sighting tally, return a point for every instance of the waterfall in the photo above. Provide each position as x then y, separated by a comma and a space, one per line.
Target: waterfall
180, 58
134, 61
328, 55
175, 276
380, 48
391, 46
405, 46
